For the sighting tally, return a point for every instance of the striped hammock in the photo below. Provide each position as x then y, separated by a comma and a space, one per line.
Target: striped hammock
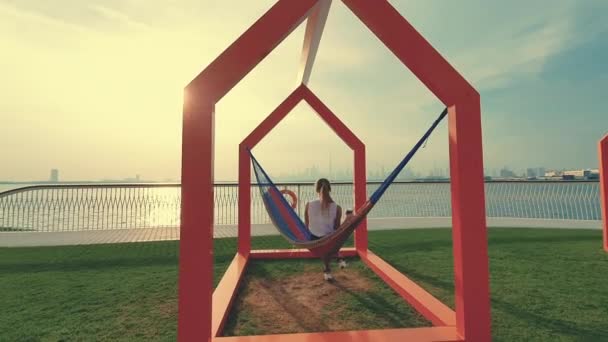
291, 227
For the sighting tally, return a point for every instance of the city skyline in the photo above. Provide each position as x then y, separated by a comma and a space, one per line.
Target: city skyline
314, 172
542, 86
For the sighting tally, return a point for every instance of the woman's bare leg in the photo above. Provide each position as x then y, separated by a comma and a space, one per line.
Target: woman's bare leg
326, 261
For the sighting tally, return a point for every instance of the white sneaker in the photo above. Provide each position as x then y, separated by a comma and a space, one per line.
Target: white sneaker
327, 276
342, 263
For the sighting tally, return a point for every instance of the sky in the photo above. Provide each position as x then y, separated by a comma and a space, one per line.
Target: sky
94, 88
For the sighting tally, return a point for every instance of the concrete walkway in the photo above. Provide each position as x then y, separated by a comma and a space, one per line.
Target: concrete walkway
31, 239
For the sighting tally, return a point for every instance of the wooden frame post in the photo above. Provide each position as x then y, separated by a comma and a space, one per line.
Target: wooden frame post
201, 314
603, 168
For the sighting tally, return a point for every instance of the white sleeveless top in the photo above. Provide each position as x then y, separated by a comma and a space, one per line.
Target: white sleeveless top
321, 222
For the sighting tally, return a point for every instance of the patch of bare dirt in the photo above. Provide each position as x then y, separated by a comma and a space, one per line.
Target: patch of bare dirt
168, 308
301, 303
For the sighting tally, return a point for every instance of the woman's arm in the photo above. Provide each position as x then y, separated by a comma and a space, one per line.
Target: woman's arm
306, 215
338, 217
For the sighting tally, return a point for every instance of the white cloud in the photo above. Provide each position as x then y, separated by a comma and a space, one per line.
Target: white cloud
117, 84
497, 66
118, 17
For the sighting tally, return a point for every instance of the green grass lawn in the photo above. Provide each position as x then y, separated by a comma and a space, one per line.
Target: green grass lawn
547, 285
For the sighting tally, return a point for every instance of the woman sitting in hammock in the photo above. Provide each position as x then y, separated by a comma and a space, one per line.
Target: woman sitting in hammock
322, 217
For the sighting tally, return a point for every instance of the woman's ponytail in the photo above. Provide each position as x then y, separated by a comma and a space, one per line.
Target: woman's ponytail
324, 188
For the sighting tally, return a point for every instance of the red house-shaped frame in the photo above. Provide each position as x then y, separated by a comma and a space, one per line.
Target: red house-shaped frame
202, 310
603, 158
351, 140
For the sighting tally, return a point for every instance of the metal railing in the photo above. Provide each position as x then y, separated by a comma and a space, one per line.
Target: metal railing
125, 206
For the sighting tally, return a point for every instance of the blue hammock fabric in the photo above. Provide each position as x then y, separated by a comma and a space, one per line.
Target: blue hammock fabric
291, 226
281, 213
391, 178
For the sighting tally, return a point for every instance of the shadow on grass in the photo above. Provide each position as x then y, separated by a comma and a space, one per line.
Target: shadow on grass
87, 265
374, 303
551, 325
106, 256
493, 240
366, 306
290, 307
433, 281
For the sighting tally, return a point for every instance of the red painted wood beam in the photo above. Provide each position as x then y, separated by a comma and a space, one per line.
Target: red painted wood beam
469, 230
244, 200
295, 253
341, 130
412, 49
201, 95
603, 157
196, 231
312, 38
273, 119
427, 305
250, 49
433, 334
466, 159
226, 292
360, 183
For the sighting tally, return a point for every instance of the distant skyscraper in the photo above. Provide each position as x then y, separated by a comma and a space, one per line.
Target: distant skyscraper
530, 173
506, 173
54, 176
540, 172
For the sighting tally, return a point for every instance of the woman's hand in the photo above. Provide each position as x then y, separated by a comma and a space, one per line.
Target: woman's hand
338, 217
